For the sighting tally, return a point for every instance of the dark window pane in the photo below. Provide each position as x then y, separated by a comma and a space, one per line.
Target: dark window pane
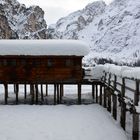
68, 63
50, 63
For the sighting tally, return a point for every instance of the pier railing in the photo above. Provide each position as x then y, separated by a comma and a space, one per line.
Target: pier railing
121, 98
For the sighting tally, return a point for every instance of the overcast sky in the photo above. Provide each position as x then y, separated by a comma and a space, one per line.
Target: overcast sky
55, 9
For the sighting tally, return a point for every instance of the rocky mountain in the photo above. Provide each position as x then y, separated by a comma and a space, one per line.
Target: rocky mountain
27, 23
5, 30
113, 33
69, 27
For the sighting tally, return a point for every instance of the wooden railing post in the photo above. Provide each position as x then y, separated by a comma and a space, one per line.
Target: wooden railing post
123, 114
115, 106
109, 100
123, 87
137, 93
109, 79
115, 82
135, 126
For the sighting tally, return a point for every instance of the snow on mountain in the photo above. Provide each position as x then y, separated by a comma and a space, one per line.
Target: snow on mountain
68, 27
28, 23
113, 33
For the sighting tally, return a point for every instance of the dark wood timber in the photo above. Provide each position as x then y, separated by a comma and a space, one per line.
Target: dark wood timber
40, 69
36, 89
54, 94
79, 93
46, 89
6, 92
25, 91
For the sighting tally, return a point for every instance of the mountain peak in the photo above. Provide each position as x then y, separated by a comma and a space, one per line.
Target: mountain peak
28, 23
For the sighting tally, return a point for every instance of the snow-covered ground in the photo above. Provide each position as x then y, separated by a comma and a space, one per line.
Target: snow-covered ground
84, 122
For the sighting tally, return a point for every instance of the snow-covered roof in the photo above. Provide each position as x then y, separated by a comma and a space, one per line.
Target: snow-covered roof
43, 47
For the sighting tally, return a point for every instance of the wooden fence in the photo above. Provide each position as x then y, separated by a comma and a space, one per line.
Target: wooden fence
115, 98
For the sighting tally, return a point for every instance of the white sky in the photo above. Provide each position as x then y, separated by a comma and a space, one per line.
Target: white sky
55, 9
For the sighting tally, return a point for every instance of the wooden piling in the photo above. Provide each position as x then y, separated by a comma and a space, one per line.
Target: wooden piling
61, 92
36, 89
6, 92
32, 93
54, 94
25, 91
93, 91
79, 93
42, 97
16, 91
46, 89
58, 94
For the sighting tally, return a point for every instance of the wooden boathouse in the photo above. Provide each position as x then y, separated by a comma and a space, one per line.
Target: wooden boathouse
36, 62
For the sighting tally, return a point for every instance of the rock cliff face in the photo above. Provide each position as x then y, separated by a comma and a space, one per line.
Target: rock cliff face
28, 23
113, 33
5, 30
68, 27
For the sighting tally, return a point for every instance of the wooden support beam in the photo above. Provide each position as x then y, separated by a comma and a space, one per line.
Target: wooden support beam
54, 94
46, 89
58, 94
42, 97
6, 92
93, 91
16, 91
79, 93
25, 91
36, 89
32, 93
61, 92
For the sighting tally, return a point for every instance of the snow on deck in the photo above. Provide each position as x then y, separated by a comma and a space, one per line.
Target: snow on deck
84, 122
43, 47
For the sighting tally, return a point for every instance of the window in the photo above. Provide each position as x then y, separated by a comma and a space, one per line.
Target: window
68, 62
8, 62
50, 63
